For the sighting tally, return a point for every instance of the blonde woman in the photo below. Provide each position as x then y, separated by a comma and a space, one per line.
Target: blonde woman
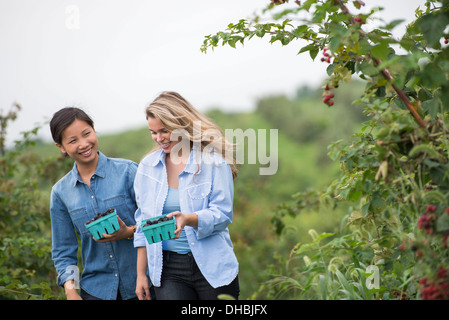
186, 177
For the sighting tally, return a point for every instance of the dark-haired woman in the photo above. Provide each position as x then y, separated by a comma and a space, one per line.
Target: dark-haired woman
95, 184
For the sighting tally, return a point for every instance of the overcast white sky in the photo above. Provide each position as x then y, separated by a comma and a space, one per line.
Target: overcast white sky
125, 53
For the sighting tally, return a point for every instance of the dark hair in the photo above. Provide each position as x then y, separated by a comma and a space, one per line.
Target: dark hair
64, 118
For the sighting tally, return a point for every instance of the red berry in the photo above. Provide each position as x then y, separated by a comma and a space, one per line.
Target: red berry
442, 272
358, 20
431, 208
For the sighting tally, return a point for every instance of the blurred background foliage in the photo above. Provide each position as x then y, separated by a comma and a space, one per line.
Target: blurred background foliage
306, 128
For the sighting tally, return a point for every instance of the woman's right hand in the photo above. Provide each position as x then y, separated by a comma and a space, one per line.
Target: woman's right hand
142, 288
70, 292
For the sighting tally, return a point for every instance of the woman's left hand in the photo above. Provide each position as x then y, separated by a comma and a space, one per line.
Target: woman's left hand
123, 232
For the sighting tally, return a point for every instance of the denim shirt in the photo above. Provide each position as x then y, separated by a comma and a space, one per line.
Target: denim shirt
208, 193
108, 266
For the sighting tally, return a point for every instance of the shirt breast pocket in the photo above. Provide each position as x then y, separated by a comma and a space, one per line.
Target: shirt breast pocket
199, 195
79, 218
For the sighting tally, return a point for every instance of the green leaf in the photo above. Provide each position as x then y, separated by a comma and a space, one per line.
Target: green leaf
299, 31
442, 223
365, 210
225, 297
432, 27
323, 288
214, 40
376, 204
380, 52
260, 33
367, 68
330, 69
323, 236
313, 50
393, 24
424, 148
334, 42
435, 196
440, 175
432, 107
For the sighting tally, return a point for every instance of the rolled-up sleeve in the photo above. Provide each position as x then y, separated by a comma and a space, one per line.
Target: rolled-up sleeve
139, 237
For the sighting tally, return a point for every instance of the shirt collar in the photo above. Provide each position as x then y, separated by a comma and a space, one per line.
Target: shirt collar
99, 172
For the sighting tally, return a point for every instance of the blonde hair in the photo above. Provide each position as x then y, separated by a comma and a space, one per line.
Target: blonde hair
174, 112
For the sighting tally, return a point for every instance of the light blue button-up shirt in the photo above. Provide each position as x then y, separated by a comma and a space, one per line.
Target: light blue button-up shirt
208, 193
108, 266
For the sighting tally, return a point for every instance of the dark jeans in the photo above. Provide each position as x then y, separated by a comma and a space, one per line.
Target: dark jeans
182, 280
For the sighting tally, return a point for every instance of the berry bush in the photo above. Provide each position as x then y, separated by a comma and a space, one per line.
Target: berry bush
394, 179
26, 268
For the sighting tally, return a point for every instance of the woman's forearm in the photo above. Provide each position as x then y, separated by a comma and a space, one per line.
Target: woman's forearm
142, 264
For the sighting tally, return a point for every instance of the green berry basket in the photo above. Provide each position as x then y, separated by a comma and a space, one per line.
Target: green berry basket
158, 229
106, 223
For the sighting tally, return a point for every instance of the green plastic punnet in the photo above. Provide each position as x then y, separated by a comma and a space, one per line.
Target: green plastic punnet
107, 224
159, 231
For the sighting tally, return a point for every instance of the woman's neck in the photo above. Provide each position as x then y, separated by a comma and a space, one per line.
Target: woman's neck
86, 170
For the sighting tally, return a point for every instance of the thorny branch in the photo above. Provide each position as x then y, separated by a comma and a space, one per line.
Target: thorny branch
411, 108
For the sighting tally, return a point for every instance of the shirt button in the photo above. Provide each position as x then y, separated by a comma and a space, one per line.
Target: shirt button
92, 197
115, 274
192, 243
110, 256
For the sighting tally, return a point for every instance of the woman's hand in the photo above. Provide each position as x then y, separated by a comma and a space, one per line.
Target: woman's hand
142, 285
122, 233
70, 292
182, 220
142, 288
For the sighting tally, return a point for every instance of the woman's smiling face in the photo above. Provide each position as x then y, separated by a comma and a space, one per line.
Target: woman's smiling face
160, 135
80, 142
